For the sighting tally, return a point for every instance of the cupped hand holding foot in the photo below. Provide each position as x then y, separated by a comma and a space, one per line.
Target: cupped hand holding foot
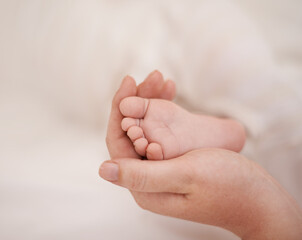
211, 186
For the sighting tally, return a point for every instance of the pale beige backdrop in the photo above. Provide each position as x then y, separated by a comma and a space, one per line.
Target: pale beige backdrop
60, 62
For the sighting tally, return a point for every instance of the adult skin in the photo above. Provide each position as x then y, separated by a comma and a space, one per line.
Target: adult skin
210, 186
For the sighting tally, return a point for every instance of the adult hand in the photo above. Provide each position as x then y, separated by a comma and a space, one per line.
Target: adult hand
211, 186
199, 186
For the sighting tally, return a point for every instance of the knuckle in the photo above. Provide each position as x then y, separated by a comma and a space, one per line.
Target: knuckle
189, 175
139, 180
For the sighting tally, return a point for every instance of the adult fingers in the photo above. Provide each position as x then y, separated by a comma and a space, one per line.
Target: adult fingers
174, 175
117, 142
152, 85
168, 91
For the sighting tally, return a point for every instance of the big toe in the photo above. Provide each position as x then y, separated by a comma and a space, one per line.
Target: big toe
134, 107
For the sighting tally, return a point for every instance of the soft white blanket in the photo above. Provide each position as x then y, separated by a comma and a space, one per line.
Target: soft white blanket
60, 63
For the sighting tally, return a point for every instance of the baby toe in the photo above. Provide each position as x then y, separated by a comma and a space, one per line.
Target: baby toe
135, 133
129, 122
134, 107
140, 146
154, 152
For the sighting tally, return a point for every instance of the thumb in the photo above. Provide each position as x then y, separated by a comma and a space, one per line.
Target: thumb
172, 175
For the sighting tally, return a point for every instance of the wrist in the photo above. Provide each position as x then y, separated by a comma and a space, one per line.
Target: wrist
279, 216
282, 226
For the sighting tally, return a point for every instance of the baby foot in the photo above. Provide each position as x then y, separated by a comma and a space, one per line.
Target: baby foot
160, 129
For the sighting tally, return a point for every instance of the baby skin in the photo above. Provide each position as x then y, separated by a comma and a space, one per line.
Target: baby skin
160, 129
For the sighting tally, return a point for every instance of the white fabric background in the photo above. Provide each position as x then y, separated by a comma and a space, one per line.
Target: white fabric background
60, 63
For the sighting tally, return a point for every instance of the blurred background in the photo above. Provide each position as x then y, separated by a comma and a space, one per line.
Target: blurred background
60, 64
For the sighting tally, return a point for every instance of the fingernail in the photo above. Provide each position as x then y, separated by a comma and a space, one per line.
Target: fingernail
109, 171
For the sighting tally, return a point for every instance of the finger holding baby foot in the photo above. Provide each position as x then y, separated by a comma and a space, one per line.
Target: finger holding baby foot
154, 86
168, 91
119, 145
